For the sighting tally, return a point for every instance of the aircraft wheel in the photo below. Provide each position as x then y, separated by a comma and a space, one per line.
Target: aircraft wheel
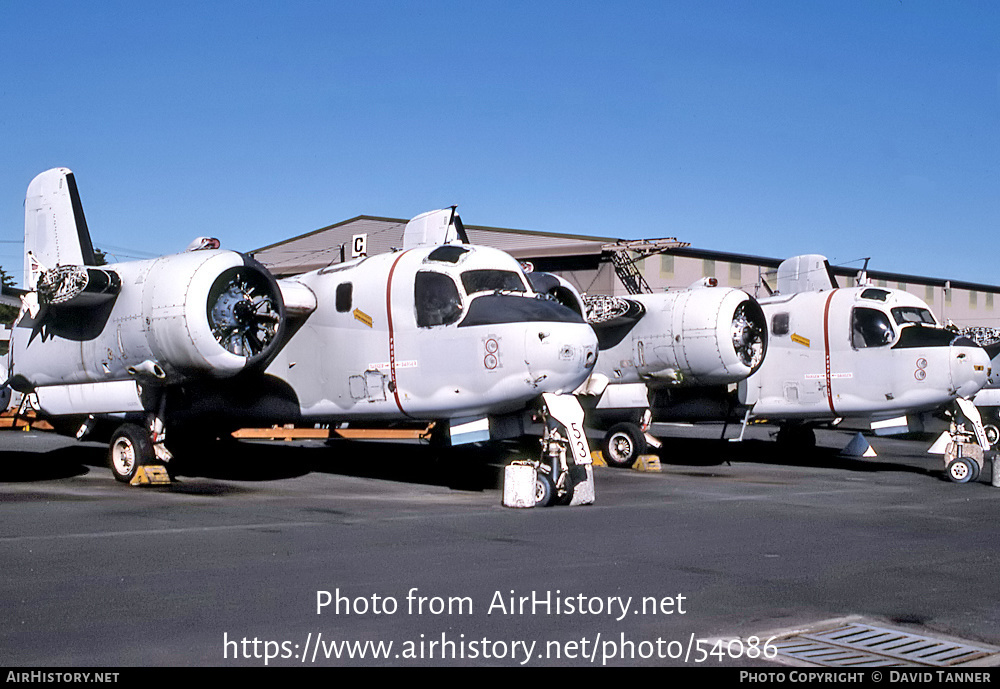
992, 434
960, 469
545, 492
622, 445
130, 449
974, 465
577, 474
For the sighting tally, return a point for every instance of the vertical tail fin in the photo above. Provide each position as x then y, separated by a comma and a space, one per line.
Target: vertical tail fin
55, 229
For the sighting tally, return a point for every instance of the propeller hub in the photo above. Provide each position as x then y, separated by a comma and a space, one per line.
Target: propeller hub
749, 334
244, 312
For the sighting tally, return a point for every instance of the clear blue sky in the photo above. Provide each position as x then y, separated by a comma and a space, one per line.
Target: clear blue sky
852, 129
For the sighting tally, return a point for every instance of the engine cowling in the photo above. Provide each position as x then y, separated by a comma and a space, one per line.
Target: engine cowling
558, 289
212, 312
198, 314
700, 336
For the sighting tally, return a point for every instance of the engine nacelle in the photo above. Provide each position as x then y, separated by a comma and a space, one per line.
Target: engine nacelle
206, 313
214, 312
701, 336
558, 289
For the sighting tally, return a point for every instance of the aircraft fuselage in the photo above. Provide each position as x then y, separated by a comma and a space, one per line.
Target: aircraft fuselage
429, 333
860, 351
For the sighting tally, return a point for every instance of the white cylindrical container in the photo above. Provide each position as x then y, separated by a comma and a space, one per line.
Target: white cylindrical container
519, 484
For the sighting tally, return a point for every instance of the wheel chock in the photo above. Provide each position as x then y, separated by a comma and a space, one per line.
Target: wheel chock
647, 463
150, 475
583, 491
644, 463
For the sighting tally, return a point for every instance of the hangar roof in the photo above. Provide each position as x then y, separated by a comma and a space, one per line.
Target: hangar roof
322, 247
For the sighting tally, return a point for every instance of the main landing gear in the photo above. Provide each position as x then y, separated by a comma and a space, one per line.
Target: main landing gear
624, 442
136, 450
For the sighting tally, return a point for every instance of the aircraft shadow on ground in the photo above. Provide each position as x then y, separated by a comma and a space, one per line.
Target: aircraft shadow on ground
471, 468
713, 452
62, 463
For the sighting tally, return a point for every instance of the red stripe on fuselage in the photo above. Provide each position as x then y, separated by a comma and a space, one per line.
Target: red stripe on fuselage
392, 341
826, 350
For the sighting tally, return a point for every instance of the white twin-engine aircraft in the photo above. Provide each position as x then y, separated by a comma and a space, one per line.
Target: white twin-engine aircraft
862, 352
207, 340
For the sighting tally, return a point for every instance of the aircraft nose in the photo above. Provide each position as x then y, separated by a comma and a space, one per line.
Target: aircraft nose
560, 356
970, 367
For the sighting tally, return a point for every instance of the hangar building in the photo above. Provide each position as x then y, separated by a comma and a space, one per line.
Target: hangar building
587, 262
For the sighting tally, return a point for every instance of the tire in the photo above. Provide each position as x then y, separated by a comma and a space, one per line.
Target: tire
577, 474
130, 449
960, 470
545, 491
974, 465
622, 445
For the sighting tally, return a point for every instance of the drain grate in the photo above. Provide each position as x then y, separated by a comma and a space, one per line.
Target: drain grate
856, 644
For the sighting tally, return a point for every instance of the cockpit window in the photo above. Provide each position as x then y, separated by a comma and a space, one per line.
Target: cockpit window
921, 336
870, 328
345, 292
779, 323
448, 253
438, 301
492, 281
491, 309
875, 294
912, 314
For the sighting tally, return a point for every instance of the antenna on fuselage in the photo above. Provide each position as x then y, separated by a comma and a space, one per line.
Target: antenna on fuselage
862, 277
456, 220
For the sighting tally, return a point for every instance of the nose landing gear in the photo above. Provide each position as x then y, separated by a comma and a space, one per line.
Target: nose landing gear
564, 475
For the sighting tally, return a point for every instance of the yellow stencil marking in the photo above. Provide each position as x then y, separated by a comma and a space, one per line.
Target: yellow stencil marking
363, 317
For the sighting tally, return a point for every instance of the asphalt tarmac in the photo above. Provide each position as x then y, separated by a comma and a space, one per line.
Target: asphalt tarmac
302, 553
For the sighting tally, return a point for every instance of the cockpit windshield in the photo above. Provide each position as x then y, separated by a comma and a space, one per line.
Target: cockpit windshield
912, 314
923, 336
490, 309
870, 328
492, 281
